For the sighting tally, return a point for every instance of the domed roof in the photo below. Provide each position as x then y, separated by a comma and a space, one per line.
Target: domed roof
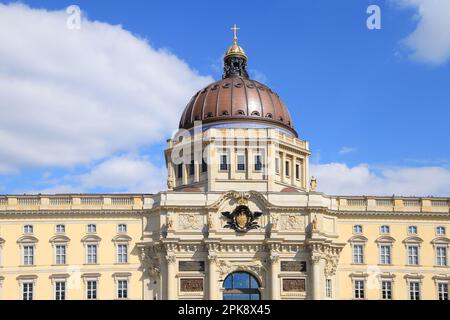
237, 99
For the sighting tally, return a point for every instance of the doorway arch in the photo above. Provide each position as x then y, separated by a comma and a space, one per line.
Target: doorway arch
241, 285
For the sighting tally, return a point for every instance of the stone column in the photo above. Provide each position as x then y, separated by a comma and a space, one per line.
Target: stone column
316, 287
274, 280
171, 277
213, 288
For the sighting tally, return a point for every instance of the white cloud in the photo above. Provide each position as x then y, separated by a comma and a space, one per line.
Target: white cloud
430, 41
340, 179
346, 150
69, 97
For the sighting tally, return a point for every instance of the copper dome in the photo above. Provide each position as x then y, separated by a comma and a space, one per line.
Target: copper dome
237, 99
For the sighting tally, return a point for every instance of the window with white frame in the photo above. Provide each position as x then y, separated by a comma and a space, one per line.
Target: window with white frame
328, 288
358, 229
122, 289
413, 254
28, 255
414, 290
359, 292
442, 291
412, 230
440, 231
358, 253
223, 163
258, 162
60, 228
91, 253
386, 289
91, 289
60, 253
60, 290
385, 254
92, 228
122, 253
240, 162
28, 228
122, 228
27, 290
384, 229
441, 256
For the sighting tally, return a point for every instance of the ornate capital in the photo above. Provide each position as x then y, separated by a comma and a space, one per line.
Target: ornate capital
212, 258
274, 258
170, 258
315, 258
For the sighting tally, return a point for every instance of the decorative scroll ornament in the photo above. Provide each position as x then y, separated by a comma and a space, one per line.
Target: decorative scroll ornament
242, 219
331, 264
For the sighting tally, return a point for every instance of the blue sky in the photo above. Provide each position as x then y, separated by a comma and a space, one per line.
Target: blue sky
372, 104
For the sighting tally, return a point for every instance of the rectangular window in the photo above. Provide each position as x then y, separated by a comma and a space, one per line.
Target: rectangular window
223, 162
297, 171
440, 231
384, 229
441, 256
92, 228
28, 229
192, 168
385, 254
258, 162
28, 255
60, 228
241, 162
277, 166
413, 255
286, 168
204, 165
328, 288
386, 290
60, 254
91, 254
122, 289
358, 254
359, 289
122, 228
180, 171
412, 230
60, 290
358, 228
414, 290
443, 291
122, 253
91, 289
27, 290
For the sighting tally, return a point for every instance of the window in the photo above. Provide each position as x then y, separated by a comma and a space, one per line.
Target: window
413, 255
91, 289
286, 168
92, 228
27, 290
258, 162
192, 168
385, 229
122, 289
385, 254
28, 255
204, 165
122, 227
297, 171
441, 256
28, 228
91, 254
412, 230
359, 289
358, 254
180, 171
440, 231
60, 254
386, 290
443, 291
223, 162
60, 290
328, 288
60, 228
122, 253
414, 290
357, 228
241, 162
277, 166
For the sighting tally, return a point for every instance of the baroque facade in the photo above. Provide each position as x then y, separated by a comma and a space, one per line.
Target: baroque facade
241, 219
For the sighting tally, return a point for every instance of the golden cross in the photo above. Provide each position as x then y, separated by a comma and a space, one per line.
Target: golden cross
235, 29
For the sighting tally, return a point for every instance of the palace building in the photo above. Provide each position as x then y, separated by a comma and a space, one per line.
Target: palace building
241, 219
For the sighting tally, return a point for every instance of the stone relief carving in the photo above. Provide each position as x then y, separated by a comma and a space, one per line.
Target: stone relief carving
150, 264
292, 222
331, 264
274, 220
257, 267
190, 222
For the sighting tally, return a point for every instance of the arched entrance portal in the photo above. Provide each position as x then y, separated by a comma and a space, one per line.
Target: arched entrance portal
241, 286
